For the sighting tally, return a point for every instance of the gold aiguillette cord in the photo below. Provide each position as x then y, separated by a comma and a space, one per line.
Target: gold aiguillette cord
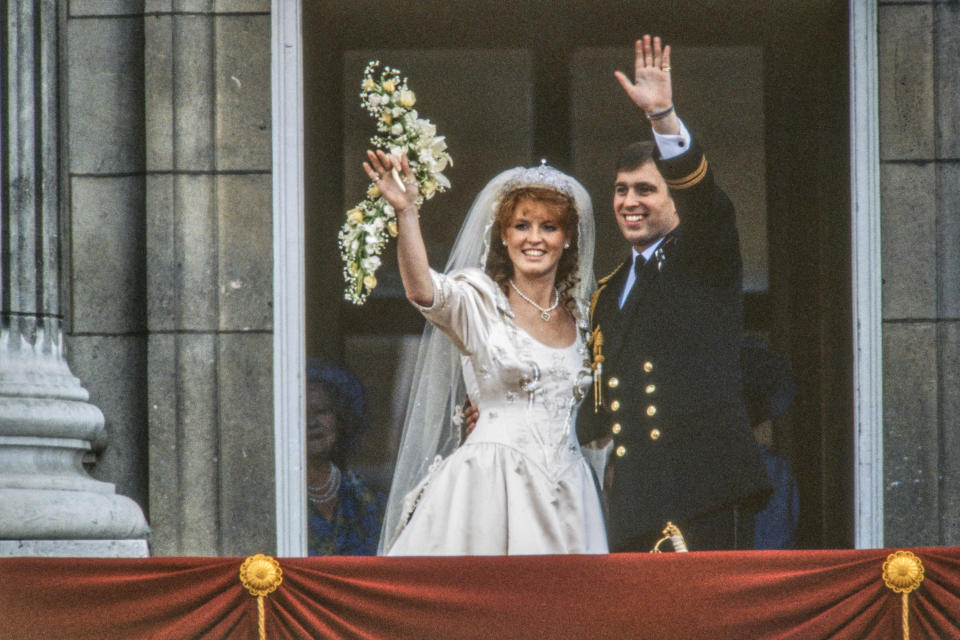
596, 339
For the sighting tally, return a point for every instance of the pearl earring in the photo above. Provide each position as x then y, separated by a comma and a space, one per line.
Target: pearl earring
504, 242
566, 246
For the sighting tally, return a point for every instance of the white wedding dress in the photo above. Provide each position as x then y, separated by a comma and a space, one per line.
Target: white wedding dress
519, 483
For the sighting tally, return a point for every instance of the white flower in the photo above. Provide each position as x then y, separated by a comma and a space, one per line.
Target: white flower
406, 98
371, 264
438, 145
427, 128
396, 129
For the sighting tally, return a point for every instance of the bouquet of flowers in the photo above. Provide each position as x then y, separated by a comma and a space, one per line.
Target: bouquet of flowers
386, 96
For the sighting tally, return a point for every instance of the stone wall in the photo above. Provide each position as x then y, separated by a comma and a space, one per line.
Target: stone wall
920, 196
170, 260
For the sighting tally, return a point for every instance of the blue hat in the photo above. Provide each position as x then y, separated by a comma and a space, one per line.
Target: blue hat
341, 381
768, 386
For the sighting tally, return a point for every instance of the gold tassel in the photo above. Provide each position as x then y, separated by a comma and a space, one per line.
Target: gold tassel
903, 573
596, 340
261, 575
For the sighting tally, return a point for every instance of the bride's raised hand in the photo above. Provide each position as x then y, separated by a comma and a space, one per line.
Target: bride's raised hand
393, 178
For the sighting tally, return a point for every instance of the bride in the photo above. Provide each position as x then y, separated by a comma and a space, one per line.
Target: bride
510, 311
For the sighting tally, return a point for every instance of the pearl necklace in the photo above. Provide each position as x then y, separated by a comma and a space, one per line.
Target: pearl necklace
323, 493
544, 313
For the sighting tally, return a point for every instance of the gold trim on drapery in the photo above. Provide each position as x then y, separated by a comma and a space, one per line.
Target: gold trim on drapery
903, 573
261, 575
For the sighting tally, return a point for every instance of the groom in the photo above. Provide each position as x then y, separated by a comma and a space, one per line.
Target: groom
666, 332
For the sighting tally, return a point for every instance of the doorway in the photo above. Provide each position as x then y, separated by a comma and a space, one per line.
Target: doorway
800, 298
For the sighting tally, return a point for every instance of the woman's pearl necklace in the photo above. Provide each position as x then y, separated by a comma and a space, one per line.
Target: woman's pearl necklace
544, 313
323, 493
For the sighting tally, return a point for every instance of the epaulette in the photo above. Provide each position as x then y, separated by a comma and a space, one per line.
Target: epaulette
602, 283
690, 179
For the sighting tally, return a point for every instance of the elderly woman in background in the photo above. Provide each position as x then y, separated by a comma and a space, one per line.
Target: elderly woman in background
343, 514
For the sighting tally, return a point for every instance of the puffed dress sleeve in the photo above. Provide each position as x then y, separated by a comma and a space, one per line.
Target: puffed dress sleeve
466, 302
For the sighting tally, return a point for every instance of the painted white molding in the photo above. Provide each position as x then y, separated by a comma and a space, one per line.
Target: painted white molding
289, 351
866, 276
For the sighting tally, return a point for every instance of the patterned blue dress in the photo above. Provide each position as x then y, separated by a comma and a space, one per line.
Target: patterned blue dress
354, 529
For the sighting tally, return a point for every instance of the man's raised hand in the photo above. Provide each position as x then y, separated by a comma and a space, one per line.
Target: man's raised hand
651, 89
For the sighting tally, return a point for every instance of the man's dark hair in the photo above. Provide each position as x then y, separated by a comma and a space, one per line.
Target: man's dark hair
635, 155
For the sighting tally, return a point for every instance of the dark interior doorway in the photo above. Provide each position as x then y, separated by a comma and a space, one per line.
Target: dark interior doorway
804, 304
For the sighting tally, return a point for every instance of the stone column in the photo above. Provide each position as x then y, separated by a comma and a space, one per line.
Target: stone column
48, 503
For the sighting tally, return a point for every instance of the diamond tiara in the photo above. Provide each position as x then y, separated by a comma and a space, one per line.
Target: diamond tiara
540, 176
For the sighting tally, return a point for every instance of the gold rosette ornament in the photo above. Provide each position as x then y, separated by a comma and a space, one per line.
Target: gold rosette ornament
903, 573
261, 575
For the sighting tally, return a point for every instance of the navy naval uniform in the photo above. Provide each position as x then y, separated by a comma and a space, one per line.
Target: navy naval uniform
670, 391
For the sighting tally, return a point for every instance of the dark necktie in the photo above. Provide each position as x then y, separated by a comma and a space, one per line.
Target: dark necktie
644, 274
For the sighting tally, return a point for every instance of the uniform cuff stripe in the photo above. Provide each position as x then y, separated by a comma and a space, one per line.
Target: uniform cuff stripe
690, 180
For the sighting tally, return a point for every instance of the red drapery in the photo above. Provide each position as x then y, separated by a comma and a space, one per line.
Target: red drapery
758, 594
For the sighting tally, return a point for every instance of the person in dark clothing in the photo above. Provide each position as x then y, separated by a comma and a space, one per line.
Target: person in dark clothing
768, 390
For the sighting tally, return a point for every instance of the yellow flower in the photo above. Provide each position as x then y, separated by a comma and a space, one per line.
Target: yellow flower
392, 228
407, 98
353, 268
368, 84
389, 86
370, 282
429, 188
355, 216
387, 118
373, 191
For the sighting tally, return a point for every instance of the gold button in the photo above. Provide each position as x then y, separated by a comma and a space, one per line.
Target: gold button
615, 405
613, 383
616, 428
651, 411
650, 388
654, 434
648, 366
621, 451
